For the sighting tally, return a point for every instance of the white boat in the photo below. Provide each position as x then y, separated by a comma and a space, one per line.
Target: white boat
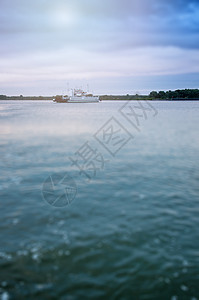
78, 96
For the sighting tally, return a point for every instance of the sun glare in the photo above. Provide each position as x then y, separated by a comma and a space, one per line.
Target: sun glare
64, 17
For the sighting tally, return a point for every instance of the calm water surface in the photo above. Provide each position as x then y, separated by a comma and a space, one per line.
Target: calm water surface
132, 231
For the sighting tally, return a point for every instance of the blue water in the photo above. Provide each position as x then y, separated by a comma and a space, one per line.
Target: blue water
132, 229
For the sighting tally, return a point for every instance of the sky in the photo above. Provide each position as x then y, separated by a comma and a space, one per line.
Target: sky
114, 46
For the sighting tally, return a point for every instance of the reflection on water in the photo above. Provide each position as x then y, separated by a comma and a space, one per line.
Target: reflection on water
132, 230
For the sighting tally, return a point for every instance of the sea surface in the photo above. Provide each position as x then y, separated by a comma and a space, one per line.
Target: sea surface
99, 200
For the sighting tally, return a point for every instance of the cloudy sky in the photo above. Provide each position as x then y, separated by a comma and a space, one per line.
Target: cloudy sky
115, 46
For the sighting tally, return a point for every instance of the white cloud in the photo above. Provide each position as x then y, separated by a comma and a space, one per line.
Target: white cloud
69, 64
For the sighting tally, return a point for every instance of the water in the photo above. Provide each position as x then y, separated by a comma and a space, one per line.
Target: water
132, 230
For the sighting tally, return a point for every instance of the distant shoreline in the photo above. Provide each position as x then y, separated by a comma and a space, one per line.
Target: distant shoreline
112, 100
177, 95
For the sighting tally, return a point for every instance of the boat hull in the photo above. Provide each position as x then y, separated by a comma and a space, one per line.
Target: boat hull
83, 99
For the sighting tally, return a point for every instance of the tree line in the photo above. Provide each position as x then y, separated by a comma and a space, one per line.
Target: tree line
177, 94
